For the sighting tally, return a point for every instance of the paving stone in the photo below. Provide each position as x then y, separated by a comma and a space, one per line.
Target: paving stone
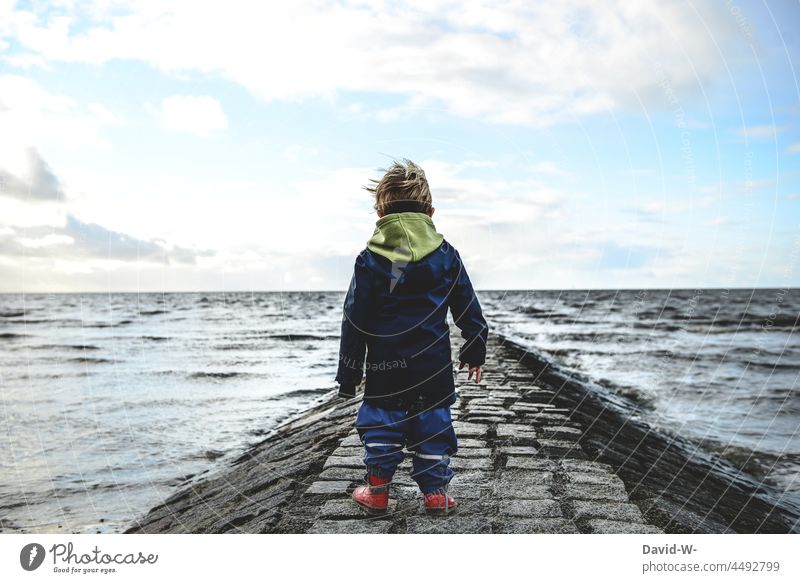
560, 432
350, 526
523, 485
530, 463
527, 476
489, 412
351, 440
352, 474
545, 508
348, 451
468, 392
590, 509
549, 418
536, 396
487, 419
595, 492
534, 526
469, 429
464, 443
449, 524
594, 478
463, 463
484, 419
586, 466
503, 394
526, 408
463, 492
486, 402
617, 527
560, 448
328, 487
483, 452
341, 508
473, 481
519, 450
514, 429
344, 462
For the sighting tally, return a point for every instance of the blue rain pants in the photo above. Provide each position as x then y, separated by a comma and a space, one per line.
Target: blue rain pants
426, 433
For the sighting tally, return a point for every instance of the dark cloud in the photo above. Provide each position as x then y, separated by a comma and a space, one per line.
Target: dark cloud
96, 241
40, 184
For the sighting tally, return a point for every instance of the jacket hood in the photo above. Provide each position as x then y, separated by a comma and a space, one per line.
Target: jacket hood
405, 237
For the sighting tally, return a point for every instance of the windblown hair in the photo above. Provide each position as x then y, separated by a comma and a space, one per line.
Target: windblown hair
403, 188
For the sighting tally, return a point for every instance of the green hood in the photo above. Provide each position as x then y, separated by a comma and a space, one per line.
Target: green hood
405, 237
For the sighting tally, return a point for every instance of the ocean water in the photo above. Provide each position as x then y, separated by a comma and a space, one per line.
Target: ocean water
109, 401
718, 367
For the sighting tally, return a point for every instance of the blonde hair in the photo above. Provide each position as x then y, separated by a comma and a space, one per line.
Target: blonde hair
403, 187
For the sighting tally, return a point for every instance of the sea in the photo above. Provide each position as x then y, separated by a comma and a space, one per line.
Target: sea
110, 401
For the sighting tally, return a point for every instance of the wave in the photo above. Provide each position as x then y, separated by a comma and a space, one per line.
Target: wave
12, 314
300, 393
220, 375
64, 347
293, 337
90, 360
105, 325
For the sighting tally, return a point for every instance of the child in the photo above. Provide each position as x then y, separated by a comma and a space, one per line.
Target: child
396, 309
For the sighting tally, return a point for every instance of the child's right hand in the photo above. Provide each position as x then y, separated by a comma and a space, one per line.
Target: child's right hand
472, 369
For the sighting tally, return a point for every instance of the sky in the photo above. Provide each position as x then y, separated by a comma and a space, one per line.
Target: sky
187, 146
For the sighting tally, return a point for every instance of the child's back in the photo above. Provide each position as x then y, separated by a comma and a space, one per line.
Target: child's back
396, 311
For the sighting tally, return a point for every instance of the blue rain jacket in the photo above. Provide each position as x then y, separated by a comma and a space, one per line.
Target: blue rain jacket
394, 324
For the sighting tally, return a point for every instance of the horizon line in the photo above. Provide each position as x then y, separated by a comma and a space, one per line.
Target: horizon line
345, 290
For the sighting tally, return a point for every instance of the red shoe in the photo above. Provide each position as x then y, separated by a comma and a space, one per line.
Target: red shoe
374, 496
439, 503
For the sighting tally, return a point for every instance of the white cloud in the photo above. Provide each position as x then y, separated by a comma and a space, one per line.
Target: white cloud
660, 207
526, 63
198, 115
46, 241
794, 149
32, 116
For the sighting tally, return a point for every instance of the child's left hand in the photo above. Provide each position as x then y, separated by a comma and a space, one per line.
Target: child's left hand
472, 369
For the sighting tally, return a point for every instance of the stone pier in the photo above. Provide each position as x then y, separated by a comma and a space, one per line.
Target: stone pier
520, 468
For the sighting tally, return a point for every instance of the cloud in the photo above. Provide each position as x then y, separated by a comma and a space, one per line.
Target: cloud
33, 116
534, 63
46, 241
79, 240
660, 207
793, 149
39, 182
198, 115
95, 240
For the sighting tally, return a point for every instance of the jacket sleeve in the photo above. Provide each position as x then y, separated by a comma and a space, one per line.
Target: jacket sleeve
353, 342
468, 316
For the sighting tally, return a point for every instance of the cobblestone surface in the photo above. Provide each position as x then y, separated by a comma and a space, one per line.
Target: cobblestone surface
520, 468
